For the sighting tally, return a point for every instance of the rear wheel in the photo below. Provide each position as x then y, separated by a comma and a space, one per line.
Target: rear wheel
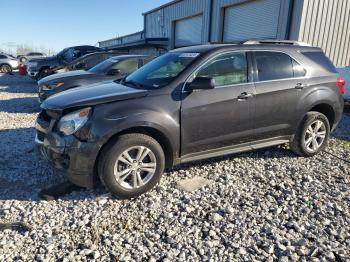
313, 135
5, 68
131, 165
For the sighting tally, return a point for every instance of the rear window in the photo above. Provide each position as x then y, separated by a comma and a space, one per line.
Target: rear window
321, 59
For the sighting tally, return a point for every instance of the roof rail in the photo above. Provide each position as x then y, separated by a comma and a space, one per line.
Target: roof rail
275, 42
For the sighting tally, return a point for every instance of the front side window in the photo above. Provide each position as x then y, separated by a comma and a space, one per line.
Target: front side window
226, 69
2, 57
276, 65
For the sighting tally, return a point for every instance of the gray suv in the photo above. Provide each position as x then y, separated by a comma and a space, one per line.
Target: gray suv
190, 104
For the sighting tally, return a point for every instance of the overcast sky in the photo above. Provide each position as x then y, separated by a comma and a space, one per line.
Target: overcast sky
61, 23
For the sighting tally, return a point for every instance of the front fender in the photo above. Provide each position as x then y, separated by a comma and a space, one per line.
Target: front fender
112, 119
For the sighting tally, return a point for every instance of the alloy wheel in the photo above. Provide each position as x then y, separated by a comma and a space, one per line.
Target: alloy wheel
315, 136
135, 167
5, 69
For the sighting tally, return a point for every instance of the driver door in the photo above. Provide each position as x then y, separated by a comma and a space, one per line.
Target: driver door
220, 117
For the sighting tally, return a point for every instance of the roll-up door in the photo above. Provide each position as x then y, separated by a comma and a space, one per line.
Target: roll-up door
254, 20
188, 31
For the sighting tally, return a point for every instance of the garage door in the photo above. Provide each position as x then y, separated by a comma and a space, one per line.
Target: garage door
254, 20
188, 31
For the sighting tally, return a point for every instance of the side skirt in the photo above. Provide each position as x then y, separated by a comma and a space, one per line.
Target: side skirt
235, 149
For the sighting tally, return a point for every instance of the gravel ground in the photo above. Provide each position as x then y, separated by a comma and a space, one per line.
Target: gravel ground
262, 205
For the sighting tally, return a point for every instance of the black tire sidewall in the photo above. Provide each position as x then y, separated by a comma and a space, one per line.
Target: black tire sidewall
310, 118
110, 156
3, 66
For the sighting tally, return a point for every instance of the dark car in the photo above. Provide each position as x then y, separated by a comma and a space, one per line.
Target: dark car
112, 69
87, 61
190, 104
40, 67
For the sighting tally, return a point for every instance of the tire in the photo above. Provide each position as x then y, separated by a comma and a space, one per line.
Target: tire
112, 164
23, 60
312, 136
44, 73
5, 68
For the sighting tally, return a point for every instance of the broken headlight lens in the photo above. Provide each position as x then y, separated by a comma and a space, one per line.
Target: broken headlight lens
72, 122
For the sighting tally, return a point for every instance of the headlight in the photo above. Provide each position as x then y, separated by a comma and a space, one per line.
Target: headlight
72, 122
50, 87
59, 84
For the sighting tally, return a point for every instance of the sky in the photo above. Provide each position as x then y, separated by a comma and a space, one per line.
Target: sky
56, 24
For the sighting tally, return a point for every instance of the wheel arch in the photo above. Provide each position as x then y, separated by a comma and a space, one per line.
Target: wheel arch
327, 110
155, 133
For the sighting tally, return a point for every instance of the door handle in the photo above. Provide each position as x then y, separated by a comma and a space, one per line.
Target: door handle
300, 86
244, 96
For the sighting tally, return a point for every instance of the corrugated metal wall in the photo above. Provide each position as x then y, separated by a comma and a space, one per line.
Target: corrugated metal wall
218, 13
160, 22
326, 24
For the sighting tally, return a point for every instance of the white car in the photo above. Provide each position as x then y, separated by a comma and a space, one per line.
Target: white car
345, 72
7, 63
24, 59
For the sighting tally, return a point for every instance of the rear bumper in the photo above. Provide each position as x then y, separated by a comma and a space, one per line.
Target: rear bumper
67, 153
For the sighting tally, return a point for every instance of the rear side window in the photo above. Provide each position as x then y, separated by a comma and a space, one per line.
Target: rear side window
276, 65
321, 59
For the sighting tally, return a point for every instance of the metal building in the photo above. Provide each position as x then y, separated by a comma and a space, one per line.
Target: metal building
323, 23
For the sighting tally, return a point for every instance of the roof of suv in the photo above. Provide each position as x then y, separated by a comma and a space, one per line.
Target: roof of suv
223, 47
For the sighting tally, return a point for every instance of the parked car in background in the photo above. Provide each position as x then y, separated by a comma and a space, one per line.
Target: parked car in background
345, 72
190, 104
7, 63
24, 58
87, 61
111, 69
40, 67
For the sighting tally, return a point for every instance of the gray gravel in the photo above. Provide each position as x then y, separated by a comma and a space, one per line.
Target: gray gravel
262, 205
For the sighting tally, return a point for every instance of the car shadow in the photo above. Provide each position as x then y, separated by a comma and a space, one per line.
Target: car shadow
24, 173
15, 83
343, 130
20, 105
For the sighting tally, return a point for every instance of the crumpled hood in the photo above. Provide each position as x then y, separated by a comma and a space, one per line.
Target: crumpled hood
103, 92
65, 75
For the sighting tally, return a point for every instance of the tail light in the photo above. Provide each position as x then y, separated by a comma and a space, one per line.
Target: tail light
341, 84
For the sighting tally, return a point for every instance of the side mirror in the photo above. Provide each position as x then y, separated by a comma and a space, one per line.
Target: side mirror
202, 83
113, 72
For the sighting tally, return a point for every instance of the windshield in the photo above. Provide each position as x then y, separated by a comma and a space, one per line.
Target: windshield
103, 67
161, 71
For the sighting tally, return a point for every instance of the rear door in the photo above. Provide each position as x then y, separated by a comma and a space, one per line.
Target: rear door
279, 80
219, 117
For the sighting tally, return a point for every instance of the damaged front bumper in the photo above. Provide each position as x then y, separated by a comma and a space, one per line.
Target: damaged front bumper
68, 153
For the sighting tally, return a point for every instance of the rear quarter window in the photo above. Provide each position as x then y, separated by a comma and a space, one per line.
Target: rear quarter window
322, 60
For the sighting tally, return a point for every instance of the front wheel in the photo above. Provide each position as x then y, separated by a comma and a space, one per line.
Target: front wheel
313, 135
131, 165
5, 69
